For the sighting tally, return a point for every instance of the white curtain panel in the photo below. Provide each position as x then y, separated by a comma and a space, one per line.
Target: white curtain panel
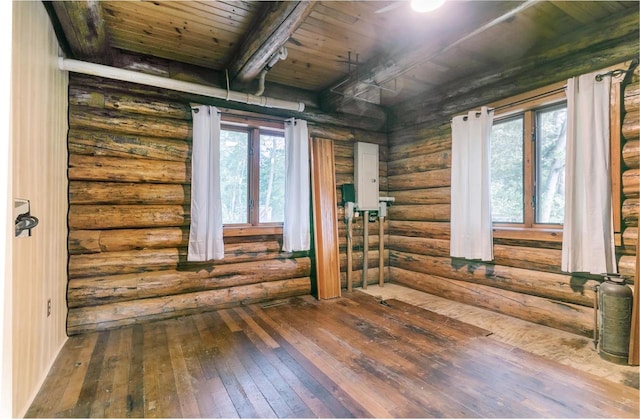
471, 225
297, 223
205, 234
588, 243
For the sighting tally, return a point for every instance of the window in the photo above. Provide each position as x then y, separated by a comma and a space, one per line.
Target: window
527, 166
251, 175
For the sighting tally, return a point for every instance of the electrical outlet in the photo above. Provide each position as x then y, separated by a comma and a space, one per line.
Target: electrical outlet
49, 307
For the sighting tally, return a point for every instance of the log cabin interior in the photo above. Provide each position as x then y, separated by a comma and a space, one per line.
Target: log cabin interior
254, 209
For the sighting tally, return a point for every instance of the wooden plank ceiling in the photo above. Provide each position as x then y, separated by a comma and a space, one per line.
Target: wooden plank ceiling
380, 50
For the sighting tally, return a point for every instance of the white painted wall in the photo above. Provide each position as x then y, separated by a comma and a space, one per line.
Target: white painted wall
38, 139
6, 403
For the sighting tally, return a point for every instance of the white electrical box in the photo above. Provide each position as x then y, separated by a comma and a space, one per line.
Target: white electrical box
366, 176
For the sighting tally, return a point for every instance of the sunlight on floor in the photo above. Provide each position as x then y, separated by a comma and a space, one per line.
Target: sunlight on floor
566, 348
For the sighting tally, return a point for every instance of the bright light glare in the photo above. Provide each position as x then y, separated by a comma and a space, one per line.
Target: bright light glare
423, 6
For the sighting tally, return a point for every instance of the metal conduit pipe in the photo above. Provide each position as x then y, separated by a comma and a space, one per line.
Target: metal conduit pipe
121, 74
280, 55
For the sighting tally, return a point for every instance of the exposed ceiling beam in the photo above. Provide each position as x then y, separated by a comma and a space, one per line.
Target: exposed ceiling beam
84, 28
387, 67
273, 26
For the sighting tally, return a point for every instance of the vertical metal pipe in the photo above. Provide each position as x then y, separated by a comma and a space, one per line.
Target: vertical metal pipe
381, 252
596, 336
349, 254
365, 250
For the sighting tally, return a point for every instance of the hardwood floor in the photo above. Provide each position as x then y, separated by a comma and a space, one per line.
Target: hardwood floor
351, 356
557, 345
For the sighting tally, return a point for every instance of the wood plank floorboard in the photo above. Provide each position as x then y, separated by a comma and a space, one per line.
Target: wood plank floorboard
347, 357
553, 344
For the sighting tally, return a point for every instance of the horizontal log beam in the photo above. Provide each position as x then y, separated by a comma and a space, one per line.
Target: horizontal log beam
147, 260
631, 125
115, 315
98, 98
101, 217
632, 95
128, 193
530, 258
555, 286
113, 121
403, 140
441, 195
421, 163
539, 259
631, 183
629, 240
630, 211
627, 267
563, 316
428, 229
101, 143
84, 292
421, 180
435, 212
110, 169
631, 154
419, 245
96, 241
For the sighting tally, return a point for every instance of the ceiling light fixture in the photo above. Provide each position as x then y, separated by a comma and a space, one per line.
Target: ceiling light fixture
423, 6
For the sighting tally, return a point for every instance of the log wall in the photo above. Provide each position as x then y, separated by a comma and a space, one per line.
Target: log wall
129, 196
524, 279
630, 167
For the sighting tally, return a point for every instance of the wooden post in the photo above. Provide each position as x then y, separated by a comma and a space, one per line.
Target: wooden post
325, 218
365, 250
381, 251
349, 254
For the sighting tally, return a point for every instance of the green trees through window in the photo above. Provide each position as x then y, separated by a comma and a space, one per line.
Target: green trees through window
271, 178
507, 171
550, 136
527, 166
234, 178
252, 173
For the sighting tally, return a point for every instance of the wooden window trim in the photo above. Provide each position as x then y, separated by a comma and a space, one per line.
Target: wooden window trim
529, 166
527, 233
246, 230
615, 147
254, 177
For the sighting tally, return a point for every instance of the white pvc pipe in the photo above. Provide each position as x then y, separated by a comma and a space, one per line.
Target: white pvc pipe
177, 85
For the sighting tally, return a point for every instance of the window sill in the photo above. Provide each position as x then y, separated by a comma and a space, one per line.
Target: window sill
241, 231
523, 233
